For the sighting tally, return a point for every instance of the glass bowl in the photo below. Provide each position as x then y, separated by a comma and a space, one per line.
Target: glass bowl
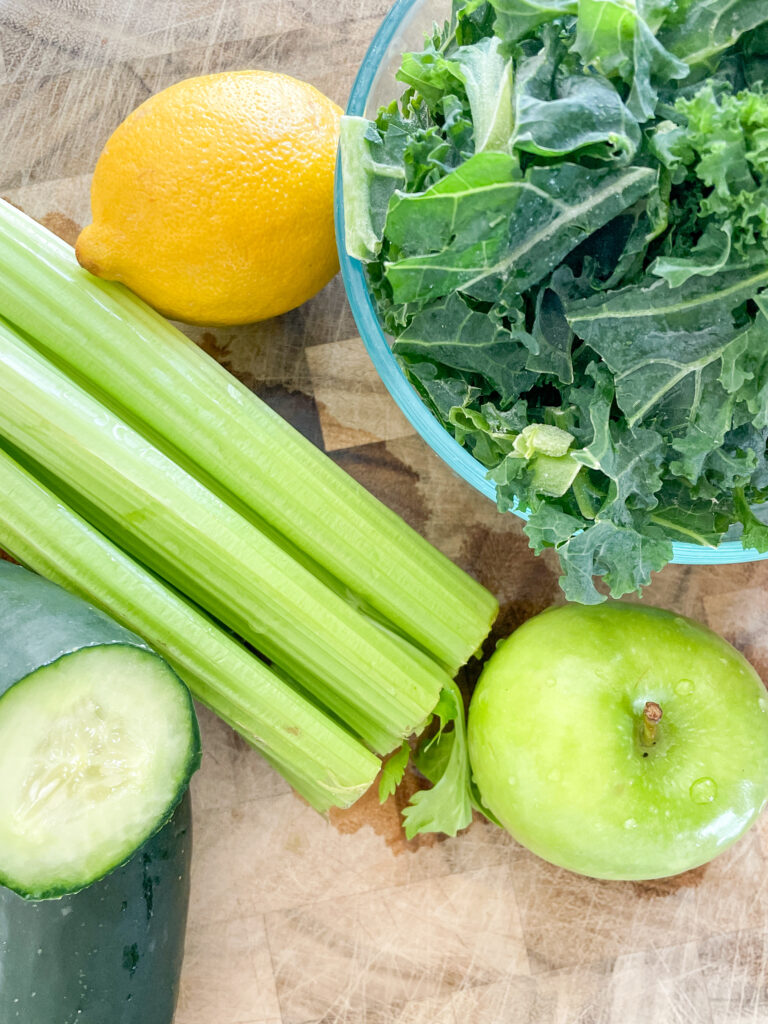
403, 29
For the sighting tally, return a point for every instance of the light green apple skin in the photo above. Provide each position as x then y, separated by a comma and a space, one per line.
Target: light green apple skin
555, 740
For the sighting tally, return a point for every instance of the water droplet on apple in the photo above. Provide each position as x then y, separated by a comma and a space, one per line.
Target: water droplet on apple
703, 791
511, 780
630, 823
554, 775
684, 687
549, 682
762, 704
680, 621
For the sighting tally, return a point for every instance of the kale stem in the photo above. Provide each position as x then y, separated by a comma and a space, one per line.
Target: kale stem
581, 495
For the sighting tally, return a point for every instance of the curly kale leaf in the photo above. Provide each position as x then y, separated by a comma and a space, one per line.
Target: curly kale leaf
614, 36
485, 231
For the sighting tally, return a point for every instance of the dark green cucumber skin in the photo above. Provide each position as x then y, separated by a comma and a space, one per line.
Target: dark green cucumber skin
110, 954
40, 623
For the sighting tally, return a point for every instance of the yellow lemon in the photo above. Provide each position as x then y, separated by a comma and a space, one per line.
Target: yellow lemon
213, 200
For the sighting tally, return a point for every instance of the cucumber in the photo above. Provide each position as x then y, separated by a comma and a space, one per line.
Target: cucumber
110, 954
98, 739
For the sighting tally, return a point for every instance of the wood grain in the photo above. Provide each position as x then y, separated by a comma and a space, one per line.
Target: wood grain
299, 920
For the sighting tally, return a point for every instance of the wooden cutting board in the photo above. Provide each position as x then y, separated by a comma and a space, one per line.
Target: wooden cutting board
298, 920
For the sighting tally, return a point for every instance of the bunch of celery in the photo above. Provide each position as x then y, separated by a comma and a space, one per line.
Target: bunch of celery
139, 473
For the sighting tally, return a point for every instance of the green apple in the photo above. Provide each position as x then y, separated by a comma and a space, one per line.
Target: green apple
620, 741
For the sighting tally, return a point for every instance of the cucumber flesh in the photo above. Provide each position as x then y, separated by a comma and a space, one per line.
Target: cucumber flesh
96, 750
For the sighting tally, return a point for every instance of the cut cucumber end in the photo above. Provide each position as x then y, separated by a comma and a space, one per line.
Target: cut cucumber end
96, 750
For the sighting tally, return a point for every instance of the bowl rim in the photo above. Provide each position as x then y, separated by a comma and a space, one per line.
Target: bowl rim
387, 366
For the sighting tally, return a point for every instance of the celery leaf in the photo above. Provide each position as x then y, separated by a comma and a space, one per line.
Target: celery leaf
444, 759
393, 770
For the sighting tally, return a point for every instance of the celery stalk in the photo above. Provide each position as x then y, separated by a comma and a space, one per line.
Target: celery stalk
110, 340
327, 765
380, 686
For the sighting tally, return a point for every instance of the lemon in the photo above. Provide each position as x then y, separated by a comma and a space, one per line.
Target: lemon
213, 200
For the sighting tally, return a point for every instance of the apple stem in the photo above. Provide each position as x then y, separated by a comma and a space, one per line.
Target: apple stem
651, 717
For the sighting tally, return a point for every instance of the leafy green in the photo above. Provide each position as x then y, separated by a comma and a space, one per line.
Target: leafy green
683, 518
652, 338
490, 235
630, 459
708, 256
549, 526
393, 770
443, 759
699, 30
725, 144
755, 533
454, 335
574, 268
464, 202
744, 368
374, 163
614, 36
561, 108
623, 556
487, 78
551, 339
516, 19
